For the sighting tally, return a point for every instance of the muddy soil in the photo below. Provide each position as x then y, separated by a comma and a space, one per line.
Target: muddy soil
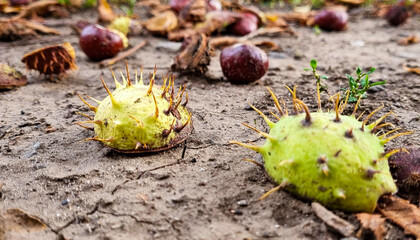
83, 190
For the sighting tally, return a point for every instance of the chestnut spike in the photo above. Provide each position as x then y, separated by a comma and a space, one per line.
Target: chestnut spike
325, 169
337, 108
95, 100
278, 118
186, 99
381, 126
355, 106
295, 106
166, 132
138, 145
394, 151
284, 162
252, 147
114, 102
361, 115
268, 121
345, 102
307, 120
254, 162
83, 126
165, 79
98, 139
180, 98
125, 83
285, 107
136, 76
139, 122
117, 84
375, 123
370, 115
389, 132
152, 81
396, 135
266, 135
99, 122
318, 96
273, 190
340, 193
349, 133
276, 101
141, 76
89, 117
128, 74
156, 109
90, 106
178, 129
170, 106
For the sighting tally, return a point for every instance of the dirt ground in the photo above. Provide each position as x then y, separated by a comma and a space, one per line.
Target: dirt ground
83, 190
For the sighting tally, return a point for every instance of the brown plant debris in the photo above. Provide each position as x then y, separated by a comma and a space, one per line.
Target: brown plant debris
413, 69
408, 40
216, 21
401, 212
10, 78
14, 29
54, 59
338, 224
222, 42
17, 221
195, 11
195, 56
106, 14
39, 9
122, 55
162, 23
371, 224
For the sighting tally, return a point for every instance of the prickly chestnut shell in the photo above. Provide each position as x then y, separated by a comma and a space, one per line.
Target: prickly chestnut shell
243, 63
245, 25
99, 43
405, 167
331, 20
397, 15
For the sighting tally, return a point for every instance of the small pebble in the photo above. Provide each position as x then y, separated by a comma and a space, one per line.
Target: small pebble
242, 203
193, 160
65, 202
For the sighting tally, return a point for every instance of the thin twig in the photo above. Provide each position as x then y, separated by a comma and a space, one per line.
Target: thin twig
122, 55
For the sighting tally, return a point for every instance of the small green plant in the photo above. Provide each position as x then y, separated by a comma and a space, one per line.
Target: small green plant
318, 77
358, 86
317, 30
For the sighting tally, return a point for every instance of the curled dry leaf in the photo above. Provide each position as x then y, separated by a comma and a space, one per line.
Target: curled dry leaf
16, 220
371, 223
413, 69
155, 7
222, 42
106, 14
163, 23
216, 21
302, 18
55, 59
195, 56
335, 222
181, 34
401, 212
195, 11
38, 8
10, 78
409, 40
14, 29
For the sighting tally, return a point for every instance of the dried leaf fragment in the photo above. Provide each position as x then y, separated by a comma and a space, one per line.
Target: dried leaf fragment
401, 212
38, 8
19, 221
195, 11
411, 69
163, 23
14, 29
216, 21
54, 59
408, 40
374, 223
332, 220
10, 78
195, 57
106, 14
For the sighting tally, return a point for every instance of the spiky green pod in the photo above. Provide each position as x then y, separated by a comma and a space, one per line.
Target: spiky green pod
141, 118
327, 157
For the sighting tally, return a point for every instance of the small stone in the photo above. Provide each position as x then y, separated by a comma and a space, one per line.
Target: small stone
193, 160
242, 203
161, 176
65, 202
39, 166
236, 212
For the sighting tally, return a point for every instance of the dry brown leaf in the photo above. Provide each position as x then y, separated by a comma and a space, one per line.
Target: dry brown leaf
401, 212
10, 78
332, 220
19, 221
163, 23
222, 42
274, 20
409, 40
38, 8
14, 29
216, 21
411, 69
195, 11
195, 57
181, 34
372, 222
106, 14
302, 18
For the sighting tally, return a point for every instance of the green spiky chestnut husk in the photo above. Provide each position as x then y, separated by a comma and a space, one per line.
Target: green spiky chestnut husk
141, 118
326, 157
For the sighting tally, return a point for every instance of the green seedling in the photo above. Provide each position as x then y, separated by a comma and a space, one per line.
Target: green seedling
318, 77
327, 157
139, 118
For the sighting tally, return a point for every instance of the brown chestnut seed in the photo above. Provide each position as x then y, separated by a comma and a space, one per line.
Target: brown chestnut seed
178, 5
99, 43
243, 63
397, 15
331, 20
248, 23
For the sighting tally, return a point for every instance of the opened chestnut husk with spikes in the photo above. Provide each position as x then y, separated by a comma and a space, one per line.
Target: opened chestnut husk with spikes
138, 118
327, 157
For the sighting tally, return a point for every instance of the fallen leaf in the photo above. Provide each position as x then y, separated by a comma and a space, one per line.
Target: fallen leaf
14, 29
195, 56
401, 212
411, 69
38, 8
335, 222
106, 14
10, 78
222, 42
373, 223
409, 40
181, 34
195, 11
19, 221
163, 23
216, 21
